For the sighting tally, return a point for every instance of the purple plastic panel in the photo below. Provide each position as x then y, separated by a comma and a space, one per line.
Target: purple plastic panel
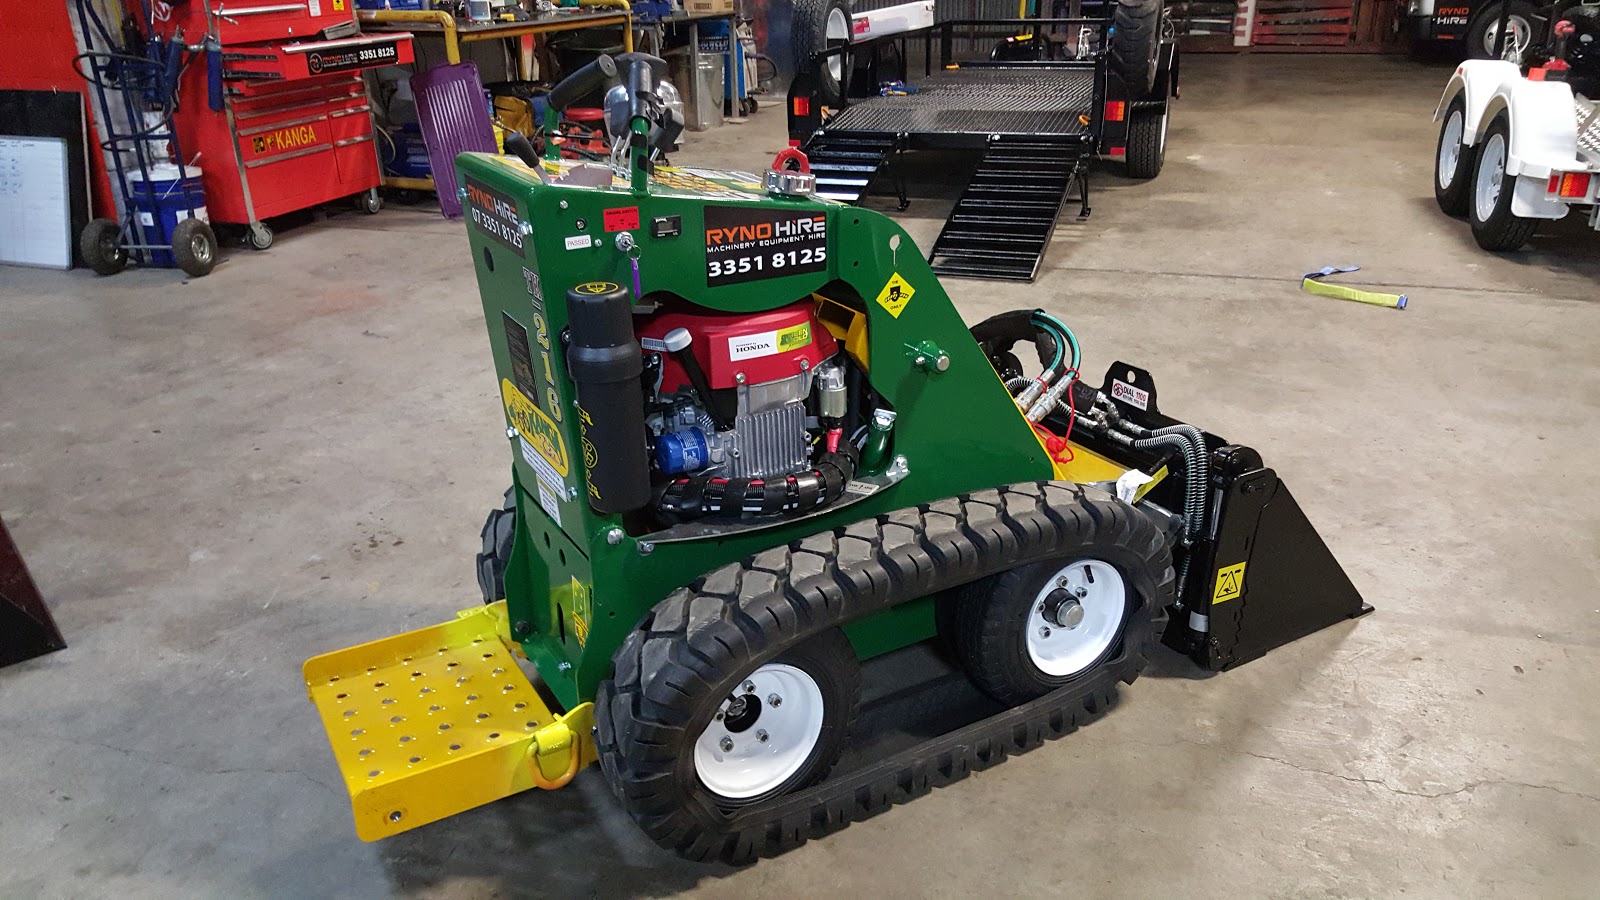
453, 115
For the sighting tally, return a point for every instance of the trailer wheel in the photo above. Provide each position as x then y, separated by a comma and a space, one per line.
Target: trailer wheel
1494, 225
194, 246
1147, 144
499, 531
1452, 164
100, 245
822, 25
1484, 32
1136, 43
1026, 632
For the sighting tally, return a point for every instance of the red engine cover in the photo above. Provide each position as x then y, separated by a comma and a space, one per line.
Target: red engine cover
767, 346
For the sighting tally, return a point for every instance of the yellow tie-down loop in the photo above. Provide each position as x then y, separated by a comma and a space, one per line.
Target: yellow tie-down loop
562, 748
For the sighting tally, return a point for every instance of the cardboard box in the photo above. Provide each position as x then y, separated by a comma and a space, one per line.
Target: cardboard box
708, 7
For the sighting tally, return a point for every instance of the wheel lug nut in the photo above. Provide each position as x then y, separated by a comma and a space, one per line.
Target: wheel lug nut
774, 699
749, 687
719, 715
1061, 582
727, 745
1044, 631
761, 736
1080, 592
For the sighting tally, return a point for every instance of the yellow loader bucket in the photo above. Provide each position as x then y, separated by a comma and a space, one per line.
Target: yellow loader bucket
436, 721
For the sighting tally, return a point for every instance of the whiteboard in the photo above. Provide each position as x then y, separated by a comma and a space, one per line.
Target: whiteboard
35, 205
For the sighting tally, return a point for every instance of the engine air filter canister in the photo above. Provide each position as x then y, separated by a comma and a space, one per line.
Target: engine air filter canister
605, 363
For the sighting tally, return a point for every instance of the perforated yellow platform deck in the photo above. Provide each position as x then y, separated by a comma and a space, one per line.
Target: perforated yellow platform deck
433, 722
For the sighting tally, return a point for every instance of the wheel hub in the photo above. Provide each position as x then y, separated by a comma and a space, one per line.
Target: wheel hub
761, 734
1076, 618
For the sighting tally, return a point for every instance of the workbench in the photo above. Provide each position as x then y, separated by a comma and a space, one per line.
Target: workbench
424, 24
734, 89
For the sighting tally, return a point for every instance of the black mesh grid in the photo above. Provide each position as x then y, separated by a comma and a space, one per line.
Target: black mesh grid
980, 101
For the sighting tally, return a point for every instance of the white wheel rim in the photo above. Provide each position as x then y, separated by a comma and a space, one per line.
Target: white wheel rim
1491, 171
1515, 44
837, 33
1450, 148
740, 756
1061, 648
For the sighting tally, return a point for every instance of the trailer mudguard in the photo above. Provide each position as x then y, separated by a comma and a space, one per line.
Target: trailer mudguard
1479, 79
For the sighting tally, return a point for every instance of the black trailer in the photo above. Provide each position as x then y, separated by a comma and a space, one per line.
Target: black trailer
1041, 97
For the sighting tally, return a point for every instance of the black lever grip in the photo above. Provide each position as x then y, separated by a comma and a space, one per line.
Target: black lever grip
581, 83
658, 66
519, 144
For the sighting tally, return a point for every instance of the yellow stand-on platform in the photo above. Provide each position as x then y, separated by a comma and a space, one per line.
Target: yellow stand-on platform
434, 722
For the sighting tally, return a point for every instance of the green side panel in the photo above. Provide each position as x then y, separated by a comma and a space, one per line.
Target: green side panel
531, 241
892, 629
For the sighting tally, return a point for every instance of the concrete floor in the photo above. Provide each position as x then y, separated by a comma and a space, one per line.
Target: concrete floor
213, 480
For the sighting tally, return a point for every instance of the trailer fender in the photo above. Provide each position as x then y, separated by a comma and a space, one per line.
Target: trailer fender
1544, 132
1479, 79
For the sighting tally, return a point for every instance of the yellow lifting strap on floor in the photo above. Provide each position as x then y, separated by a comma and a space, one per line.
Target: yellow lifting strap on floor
437, 721
1311, 285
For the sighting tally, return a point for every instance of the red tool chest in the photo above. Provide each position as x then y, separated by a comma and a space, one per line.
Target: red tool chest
295, 128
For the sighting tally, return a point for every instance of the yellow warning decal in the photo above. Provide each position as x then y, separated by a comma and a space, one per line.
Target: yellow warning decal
1230, 583
535, 427
582, 611
895, 295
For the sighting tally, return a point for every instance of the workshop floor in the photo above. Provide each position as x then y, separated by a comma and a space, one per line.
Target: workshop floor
215, 479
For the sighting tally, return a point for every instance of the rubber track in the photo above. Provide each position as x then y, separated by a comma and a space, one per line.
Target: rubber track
699, 641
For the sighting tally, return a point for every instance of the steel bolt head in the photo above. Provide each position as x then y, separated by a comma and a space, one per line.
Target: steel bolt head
749, 687
738, 378
726, 744
1080, 592
563, 204
614, 536
1061, 581
646, 548
1069, 614
774, 700
510, 432
941, 363
762, 736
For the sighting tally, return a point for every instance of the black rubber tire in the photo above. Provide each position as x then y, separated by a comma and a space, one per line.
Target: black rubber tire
194, 247
1502, 230
1453, 199
100, 245
1488, 16
988, 629
697, 643
809, 35
1147, 144
1136, 43
370, 201
499, 532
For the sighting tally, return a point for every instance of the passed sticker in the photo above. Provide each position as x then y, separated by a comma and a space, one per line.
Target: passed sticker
1230, 583
895, 295
578, 242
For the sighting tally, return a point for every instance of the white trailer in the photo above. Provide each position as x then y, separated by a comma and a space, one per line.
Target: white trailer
1515, 149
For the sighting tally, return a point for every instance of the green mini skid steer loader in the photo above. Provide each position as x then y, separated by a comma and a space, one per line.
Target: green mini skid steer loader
754, 444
